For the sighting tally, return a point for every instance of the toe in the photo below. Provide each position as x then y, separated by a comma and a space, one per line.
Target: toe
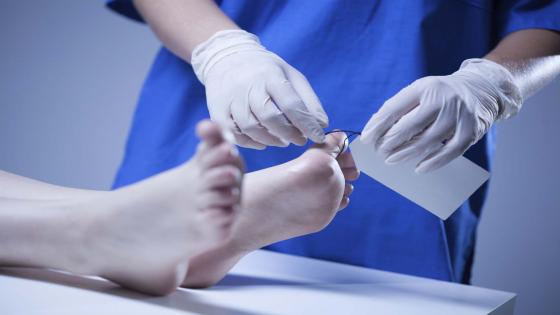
222, 176
223, 197
350, 173
344, 203
334, 144
348, 189
209, 132
223, 154
348, 166
220, 216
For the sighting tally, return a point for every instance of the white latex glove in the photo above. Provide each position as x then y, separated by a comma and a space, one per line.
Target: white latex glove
256, 94
436, 119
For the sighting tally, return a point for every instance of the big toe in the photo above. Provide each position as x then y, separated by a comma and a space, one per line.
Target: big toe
210, 132
216, 147
334, 145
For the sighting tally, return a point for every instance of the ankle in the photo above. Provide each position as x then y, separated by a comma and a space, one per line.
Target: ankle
90, 216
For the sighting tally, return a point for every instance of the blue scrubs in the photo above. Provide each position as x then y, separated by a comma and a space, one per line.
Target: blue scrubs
356, 54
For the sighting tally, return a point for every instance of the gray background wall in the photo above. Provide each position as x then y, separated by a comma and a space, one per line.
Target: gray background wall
70, 72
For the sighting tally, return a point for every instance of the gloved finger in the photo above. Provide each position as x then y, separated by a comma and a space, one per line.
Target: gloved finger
225, 119
290, 103
418, 153
390, 112
307, 94
409, 126
250, 126
429, 140
241, 139
455, 147
271, 118
418, 149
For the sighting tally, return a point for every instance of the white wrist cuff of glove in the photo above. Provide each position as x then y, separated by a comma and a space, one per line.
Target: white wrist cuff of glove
220, 45
501, 81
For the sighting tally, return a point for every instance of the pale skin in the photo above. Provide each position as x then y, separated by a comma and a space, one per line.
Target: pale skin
108, 222
194, 233
183, 24
532, 56
321, 172
186, 214
181, 212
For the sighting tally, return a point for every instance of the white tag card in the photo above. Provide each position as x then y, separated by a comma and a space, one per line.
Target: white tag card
441, 191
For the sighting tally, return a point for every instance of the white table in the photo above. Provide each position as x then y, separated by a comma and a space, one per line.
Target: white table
262, 283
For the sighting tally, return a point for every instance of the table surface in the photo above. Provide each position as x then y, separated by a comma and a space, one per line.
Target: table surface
262, 283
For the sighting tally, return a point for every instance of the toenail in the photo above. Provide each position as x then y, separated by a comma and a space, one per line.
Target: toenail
235, 191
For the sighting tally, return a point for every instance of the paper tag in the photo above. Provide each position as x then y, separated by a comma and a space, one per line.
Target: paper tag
441, 191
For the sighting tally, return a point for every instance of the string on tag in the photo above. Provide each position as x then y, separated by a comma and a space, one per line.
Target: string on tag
350, 135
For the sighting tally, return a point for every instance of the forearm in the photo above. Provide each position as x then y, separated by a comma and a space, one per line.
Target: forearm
183, 24
532, 56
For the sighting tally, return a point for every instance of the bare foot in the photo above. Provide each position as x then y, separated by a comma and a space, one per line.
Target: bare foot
289, 200
145, 234
296, 198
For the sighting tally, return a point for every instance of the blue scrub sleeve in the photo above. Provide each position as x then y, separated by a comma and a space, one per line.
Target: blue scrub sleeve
126, 8
515, 15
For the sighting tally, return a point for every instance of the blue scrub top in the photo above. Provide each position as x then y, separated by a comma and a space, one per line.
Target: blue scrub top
356, 54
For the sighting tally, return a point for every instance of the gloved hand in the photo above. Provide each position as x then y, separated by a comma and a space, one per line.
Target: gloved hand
436, 119
256, 94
